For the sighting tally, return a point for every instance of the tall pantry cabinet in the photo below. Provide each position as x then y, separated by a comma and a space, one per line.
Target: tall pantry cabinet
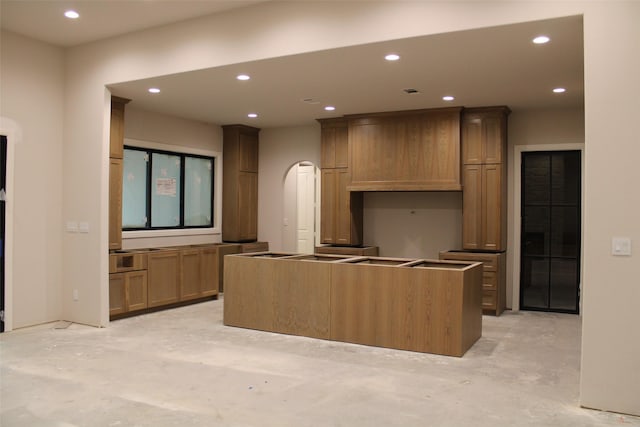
484, 200
484, 172
341, 210
240, 178
116, 151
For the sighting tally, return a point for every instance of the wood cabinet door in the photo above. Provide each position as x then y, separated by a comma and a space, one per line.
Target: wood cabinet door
248, 152
209, 278
117, 294
116, 136
136, 290
247, 206
472, 140
492, 200
472, 207
191, 274
343, 223
164, 277
335, 147
328, 205
494, 138
115, 203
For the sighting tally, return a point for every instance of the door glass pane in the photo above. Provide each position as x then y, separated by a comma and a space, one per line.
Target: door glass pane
535, 179
165, 190
565, 225
536, 231
198, 191
564, 277
565, 178
134, 189
534, 278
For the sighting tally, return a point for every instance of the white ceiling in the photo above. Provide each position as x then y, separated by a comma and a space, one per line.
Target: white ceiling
99, 19
482, 67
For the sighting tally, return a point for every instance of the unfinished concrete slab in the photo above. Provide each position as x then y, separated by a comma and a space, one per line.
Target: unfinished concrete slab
182, 367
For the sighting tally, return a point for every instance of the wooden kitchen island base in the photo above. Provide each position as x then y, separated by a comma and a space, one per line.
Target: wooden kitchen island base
417, 305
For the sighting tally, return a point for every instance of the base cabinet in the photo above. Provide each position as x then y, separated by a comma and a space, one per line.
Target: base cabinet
127, 292
494, 277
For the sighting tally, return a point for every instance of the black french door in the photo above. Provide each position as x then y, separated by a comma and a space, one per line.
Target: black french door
550, 234
3, 183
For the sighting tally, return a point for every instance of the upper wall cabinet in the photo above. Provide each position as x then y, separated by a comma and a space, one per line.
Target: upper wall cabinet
335, 143
116, 136
484, 135
406, 151
240, 183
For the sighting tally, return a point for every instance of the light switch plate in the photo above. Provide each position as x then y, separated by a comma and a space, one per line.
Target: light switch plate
83, 227
72, 227
621, 246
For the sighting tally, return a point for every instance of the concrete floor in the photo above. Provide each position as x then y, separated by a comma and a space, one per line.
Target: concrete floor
182, 367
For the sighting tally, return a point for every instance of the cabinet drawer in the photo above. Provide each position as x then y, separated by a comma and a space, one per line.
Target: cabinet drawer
488, 300
120, 262
489, 280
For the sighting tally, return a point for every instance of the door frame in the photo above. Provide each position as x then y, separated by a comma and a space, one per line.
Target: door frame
13, 132
517, 212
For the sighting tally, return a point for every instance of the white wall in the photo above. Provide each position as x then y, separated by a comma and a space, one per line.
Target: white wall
611, 345
413, 224
279, 150
610, 369
162, 129
31, 97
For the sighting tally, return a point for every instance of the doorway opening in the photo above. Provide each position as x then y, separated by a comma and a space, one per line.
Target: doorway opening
300, 208
551, 187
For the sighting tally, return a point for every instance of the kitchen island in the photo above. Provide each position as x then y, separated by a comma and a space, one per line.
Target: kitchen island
419, 305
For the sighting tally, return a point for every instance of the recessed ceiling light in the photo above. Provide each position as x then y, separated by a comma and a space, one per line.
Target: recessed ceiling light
243, 77
252, 115
154, 90
559, 90
72, 14
541, 40
392, 57
329, 108
448, 98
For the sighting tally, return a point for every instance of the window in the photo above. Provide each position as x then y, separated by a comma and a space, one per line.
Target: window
166, 190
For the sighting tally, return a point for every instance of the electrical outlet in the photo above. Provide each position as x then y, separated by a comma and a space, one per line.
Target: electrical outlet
75, 295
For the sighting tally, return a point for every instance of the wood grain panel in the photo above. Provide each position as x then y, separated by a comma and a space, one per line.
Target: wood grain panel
302, 297
117, 294
406, 151
190, 274
164, 277
136, 290
115, 204
248, 295
328, 206
492, 218
209, 267
353, 310
472, 207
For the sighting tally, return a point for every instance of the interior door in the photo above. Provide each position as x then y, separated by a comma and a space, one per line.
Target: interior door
550, 234
3, 181
305, 208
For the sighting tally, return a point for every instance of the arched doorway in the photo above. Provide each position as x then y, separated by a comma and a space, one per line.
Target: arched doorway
301, 218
